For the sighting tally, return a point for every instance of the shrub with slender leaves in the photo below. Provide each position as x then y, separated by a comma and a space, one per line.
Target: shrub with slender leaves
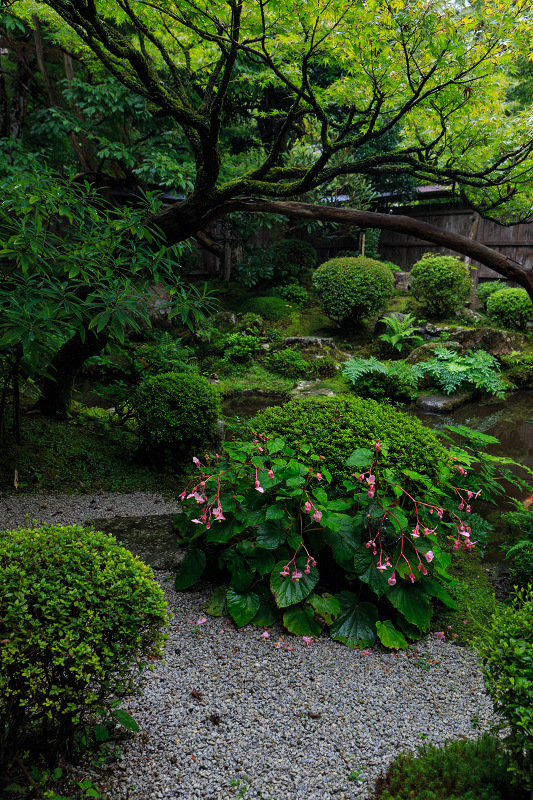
510, 307
351, 288
442, 282
79, 615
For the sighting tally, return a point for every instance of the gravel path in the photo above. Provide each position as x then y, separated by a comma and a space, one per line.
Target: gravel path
229, 715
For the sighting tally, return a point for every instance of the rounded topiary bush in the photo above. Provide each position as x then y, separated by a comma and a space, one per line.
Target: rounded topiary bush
270, 308
293, 261
485, 290
334, 427
443, 283
176, 412
78, 617
510, 307
351, 288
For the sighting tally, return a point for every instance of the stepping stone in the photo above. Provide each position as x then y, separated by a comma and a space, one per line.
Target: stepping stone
152, 538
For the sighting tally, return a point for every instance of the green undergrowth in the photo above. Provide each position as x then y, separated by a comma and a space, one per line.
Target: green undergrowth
460, 770
86, 453
473, 595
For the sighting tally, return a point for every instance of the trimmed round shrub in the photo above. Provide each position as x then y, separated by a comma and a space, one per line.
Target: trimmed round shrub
351, 288
293, 293
334, 427
270, 308
239, 348
293, 261
176, 413
485, 290
443, 283
287, 362
511, 308
79, 616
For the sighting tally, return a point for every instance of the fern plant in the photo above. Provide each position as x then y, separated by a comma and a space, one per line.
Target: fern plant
400, 332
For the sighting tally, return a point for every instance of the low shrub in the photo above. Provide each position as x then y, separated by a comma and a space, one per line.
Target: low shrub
511, 308
294, 293
271, 309
292, 364
79, 616
460, 770
351, 288
506, 652
519, 368
486, 290
334, 426
238, 348
293, 261
176, 412
383, 380
443, 283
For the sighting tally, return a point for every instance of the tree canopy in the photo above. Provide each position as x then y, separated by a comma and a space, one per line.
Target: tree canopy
323, 85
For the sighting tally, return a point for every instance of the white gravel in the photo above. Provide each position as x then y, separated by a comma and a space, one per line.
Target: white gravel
277, 723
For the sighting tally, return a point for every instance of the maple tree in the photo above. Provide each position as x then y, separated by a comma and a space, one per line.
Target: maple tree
342, 76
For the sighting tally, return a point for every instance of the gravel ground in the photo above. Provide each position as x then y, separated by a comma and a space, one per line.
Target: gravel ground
230, 715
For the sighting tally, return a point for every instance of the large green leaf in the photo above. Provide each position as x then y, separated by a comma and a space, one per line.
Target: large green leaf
360, 458
364, 563
191, 569
436, 589
389, 636
267, 615
413, 602
222, 532
326, 606
270, 534
288, 592
356, 624
241, 574
344, 541
408, 628
261, 560
217, 602
242, 606
301, 621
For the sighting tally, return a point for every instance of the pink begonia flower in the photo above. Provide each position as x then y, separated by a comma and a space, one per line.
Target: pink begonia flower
429, 556
307, 569
217, 513
258, 487
307, 507
197, 497
440, 512
195, 461
285, 571
468, 509
296, 576
456, 545
371, 479
183, 495
415, 532
318, 476
265, 635
366, 652
307, 640
317, 516
439, 635
461, 505
424, 571
197, 521
371, 493
381, 566
313, 562
411, 577
199, 621
378, 445
270, 473
361, 477
392, 579
470, 494
477, 494
278, 645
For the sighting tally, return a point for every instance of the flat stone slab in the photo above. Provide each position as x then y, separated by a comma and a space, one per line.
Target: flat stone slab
152, 538
442, 403
308, 389
309, 341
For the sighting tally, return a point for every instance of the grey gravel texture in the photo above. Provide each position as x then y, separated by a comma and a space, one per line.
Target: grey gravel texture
228, 714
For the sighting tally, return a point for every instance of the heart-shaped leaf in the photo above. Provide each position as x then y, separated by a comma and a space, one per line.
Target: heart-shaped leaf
356, 624
288, 592
261, 560
389, 636
326, 606
270, 535
191, 569
301, 621
267, 615
360, 458
242, 606
344, 540
411, 600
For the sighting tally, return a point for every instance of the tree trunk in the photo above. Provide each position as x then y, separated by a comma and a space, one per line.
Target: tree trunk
56, 391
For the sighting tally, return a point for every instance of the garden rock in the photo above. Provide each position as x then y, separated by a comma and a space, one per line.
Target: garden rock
427, 351
308, 341
308, 389
402, 281
495, 341
151, 538
442, 403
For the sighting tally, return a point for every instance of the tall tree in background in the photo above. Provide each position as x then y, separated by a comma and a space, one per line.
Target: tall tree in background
344, 75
